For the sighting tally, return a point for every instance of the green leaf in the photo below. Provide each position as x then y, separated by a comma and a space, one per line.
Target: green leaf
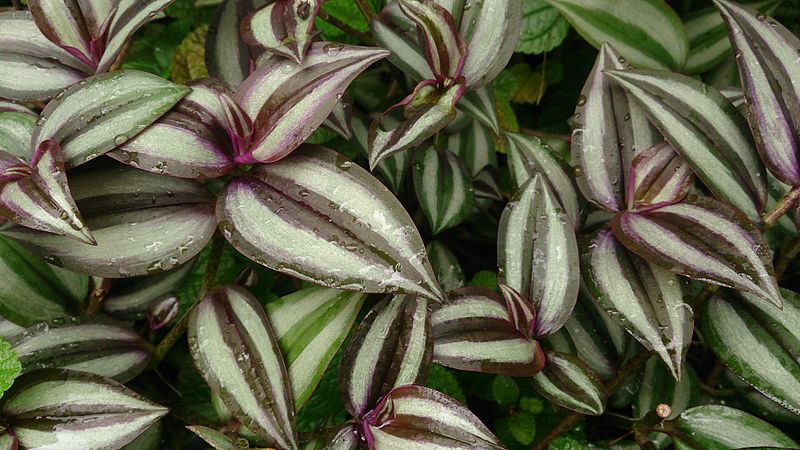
523, 427
505, 390
543, 28
10, 366
442, 379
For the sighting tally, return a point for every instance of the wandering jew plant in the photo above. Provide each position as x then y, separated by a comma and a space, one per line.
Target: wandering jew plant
345, 224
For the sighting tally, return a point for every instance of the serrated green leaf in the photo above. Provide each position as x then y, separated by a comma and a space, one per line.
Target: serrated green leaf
10, 366
543, 28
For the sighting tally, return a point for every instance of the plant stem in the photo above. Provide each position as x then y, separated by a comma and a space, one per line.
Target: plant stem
786, 258
97, 296
782, 207
366, 10
363, 37
166, 344
571, 420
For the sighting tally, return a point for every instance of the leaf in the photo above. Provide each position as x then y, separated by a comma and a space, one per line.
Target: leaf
658, 43
392, 347
708, 44
538, 254
97, 347
443, 187
213, 437
759, 343
706, 130
236, 351
10, 367
658, 386
644, 298
659, 176
45, 290
340, 119
569, 382
392, 31
705, 240
143, 223
347, 438
445, 265
33, 67
130, 302
287, 101
717, 426
228, 56
480, 104
766, 54
16, 129
63, 24
473, 331
604, 118
105, 111
311, 324
528, 155
108, 415
419, 417
427, 110
543, 28
341, 242
284, 28
445, 49
42, 200
475, 146
393, 168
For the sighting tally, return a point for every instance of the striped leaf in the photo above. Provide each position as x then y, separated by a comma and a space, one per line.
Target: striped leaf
569, 382
237, 353
759, 343
659, 176
528, 155
706, 130
162, 312
340, 119
44, 414
311, 325
8, 441
312, 216
393, 31
198, 138
102, 348
475, 146
392, 347
445, 49
42, 200
347, 438
443, 187
228, 57
480, 105
46, 291
759, 404
609, 130
705, 240
214, 438
538, 254
445, 265
393, 168
284, 27
766, 54
95, 14
12, 106
658, 43
708, 43
63, 24
644, 298
658, 386
105, 111
33, 67
473, 331
143, 223
16, 129
420, 417
717, 426
131, 301
287, 101
427, 110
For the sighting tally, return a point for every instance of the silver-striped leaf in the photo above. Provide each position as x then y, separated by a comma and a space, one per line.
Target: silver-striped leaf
658, 177
759, 343
311, 324
96, 115
214, 438
658, 386
392, 169
420, 417
393, 31
658, 43
16, 129
705, 240
569, 382
474, 145
480, 104
346, 438
609, 129
538, 253
718, 426
312, 216
445, 265
443, 187
237, 353
284, 27
63, 24
473, 331
706, 130
392, 347
44, 414
131, 301
644, 298
48, 292
288, 101
228, 57
528, 155
143, 223
766, 54
98, 347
